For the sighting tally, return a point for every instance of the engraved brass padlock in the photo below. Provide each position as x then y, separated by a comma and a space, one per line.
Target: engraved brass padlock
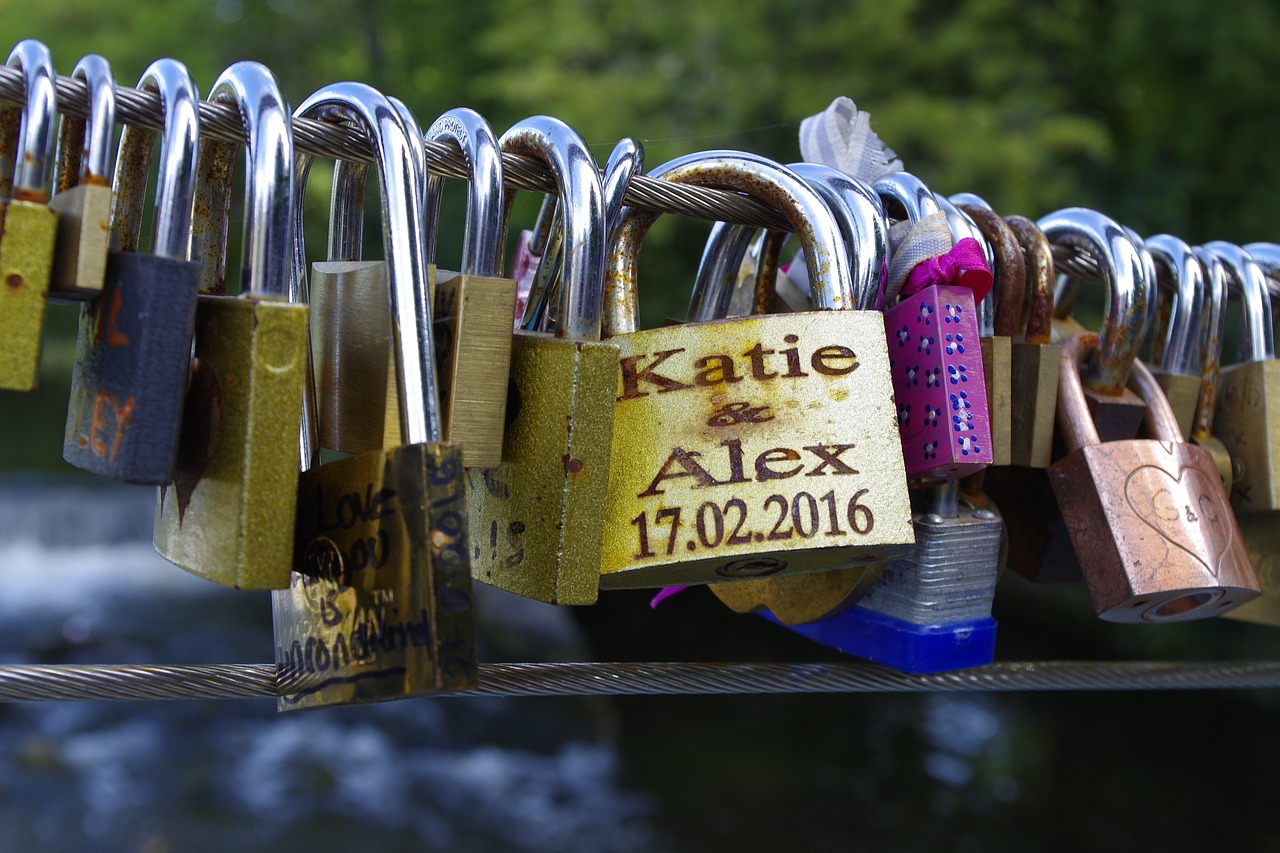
228, 514
1123, 263
133, 345
379, 606
28, 227
474, 309
536, 520
1149, 519
711, 416
1176, 337
1245, 421
997, 348
82, 188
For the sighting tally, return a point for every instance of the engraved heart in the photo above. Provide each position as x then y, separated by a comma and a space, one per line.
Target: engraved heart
1183, 510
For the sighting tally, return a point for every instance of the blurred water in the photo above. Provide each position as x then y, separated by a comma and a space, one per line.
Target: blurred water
455, 774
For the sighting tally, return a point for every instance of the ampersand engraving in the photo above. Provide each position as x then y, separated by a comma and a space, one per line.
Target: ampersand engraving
739, 413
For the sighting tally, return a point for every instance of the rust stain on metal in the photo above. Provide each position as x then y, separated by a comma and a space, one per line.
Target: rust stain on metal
15, 281
1010, 272
571, 466
1038, 255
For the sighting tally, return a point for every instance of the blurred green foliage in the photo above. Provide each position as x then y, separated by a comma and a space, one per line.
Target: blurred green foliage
1159, 112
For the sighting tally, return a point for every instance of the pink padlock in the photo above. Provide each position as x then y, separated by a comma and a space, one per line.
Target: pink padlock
936, 365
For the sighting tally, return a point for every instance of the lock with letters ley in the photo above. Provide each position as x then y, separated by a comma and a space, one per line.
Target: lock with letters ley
753, 446
379, 604
1148, 518
133, 345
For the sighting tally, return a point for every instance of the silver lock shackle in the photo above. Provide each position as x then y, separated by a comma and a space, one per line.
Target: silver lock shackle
35, 130
1245, 278
90, 162
1185, 281
484, 240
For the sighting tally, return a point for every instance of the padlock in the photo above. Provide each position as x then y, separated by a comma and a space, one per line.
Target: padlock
133, 345
379, 606
1123, 263
938, 379
28, 227
1148, 518
931, 610
1034, 359
474, 309
1175, 353
1244, 419
536, 519
228, 513
997, 349
710, 416
795, 599
82, 188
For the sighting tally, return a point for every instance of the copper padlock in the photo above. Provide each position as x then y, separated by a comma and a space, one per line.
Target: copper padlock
1149, 519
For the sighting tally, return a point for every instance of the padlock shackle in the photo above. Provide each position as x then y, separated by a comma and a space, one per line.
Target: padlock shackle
722, 256
176, 175
581, 296
1037, 309
1245, 278
35, 134
402, 186
484, 241
960, 200
1267, 256
347, 197
909, 193
1124, 265
831, 285
1180, 274
84, 145
1077, 427
266, 264
1212, 334
626, 160
860, 216
1010, 269
1158, 419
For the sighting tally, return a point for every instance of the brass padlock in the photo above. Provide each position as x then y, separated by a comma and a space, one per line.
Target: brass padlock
1212, 334
133, 344
1123, 264
997, 349
536, 519
28, 227
717, 406
1035, 360
1149, 519
1176, 337
1244, 421
228, 514
379, 606
82, 187
474, 309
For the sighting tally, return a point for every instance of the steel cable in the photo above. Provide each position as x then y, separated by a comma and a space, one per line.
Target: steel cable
233, 681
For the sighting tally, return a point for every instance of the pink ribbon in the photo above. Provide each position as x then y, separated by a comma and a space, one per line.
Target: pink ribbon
963, 266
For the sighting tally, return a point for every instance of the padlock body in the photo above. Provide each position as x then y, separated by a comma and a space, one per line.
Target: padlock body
1262, 539
930, 611
27, 234
133, 358
938, 383
472, 326
752, 447
1155, 537
1183, 394
1247, 426
379, 605
228, 514
356, 403
536, 519
84, 241
1034, 380
997, 367
797, 599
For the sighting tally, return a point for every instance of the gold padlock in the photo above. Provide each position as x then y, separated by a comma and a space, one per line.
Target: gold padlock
997, 348
1212, 333
228, 514
718, 406
1176, 337
536, 520
82, 188
474, 309
28, 227
379, 605
1035, 360
1244, 420
1125, 266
